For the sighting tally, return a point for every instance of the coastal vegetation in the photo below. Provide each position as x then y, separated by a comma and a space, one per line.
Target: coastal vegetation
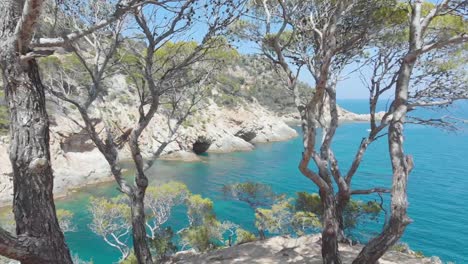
123, 73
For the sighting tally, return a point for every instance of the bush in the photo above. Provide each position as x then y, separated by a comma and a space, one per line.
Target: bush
244, 236
131, 259
198, 237
163, 245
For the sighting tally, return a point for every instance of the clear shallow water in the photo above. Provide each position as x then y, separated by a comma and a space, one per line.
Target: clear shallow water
437, 187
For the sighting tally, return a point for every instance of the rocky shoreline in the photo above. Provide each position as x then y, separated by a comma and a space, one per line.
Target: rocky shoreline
77, 163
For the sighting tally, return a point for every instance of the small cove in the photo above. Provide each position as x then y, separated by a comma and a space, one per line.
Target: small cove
437, 187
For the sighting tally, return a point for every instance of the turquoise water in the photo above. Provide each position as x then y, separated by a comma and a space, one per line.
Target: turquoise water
437, 187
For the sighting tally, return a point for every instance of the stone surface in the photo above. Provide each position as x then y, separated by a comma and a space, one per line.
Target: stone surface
279, 250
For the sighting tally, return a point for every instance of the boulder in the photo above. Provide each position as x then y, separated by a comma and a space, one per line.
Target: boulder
230, 143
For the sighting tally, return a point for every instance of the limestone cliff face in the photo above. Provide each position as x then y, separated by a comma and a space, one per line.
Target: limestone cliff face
77, 162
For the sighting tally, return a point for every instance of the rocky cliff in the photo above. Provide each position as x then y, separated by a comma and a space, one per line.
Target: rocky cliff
77, 162
214, 128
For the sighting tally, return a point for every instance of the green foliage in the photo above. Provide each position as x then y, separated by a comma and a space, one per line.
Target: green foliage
65, 218
354, 213
400, 247
160, 200
49, 63
253, 193
199, 238
255, 77
69, 64
7, 220
244, 236
162, 244
109, 214
205, 231
309, 202
277, 219
305, 222
200, 210
131, 259
390, 15
359, 211
171, 190
419, 254
4, 120
173, 53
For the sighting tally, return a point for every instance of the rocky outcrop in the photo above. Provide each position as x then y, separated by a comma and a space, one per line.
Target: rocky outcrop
76, 161
279, 250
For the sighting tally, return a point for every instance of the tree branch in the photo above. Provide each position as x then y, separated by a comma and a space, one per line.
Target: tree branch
440, 44
25, 28
373, 190
121, 10
12, 247
435, 103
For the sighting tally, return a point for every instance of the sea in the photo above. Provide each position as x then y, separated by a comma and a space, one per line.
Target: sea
437, 188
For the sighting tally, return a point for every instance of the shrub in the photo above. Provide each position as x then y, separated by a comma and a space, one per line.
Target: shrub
244, 236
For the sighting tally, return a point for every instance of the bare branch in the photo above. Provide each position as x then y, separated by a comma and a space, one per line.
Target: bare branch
121, 10
369, 191
13, 247
443, 43
26, 25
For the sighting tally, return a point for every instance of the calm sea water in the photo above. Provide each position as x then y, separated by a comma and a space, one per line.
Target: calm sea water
437, 189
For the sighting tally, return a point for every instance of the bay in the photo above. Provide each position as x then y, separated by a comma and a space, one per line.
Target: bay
437, 188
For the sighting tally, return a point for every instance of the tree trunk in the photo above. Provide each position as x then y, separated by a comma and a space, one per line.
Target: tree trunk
401, 166
33, 204
38, 233
343, 200
330, 253
140, 240
375, 249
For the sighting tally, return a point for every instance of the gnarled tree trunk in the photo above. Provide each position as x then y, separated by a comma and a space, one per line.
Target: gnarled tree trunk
401, 166
39, 238
33, 204
140, 243
140, 238
330, 232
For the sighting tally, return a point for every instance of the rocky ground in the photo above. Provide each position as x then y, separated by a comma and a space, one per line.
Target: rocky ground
280, 250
